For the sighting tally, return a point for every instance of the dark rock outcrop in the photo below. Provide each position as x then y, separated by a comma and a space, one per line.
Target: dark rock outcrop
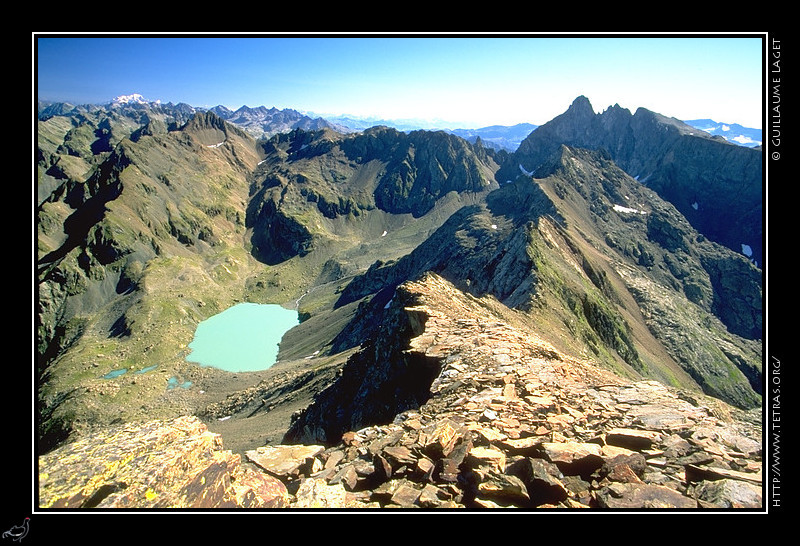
717, 186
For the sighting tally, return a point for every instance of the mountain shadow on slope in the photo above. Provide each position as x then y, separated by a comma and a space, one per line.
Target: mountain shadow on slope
379, 381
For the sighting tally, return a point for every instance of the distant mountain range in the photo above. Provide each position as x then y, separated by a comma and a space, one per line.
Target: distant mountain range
732, 132
261, 121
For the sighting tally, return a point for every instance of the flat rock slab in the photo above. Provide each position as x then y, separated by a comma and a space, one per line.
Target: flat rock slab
283, 460
633, 495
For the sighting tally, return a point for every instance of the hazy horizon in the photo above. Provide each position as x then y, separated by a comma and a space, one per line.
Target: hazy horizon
476, 81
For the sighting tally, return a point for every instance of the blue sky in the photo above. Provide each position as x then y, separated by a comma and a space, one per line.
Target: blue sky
469, 81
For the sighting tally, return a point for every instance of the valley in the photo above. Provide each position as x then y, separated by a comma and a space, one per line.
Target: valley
153, 218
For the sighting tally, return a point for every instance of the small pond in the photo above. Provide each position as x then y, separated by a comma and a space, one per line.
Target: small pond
243, 338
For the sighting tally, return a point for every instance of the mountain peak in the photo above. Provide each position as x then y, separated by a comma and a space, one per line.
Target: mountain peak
580, 102
206, 120
134, 98
581, 106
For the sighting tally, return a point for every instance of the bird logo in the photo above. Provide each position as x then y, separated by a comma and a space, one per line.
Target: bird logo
18, 532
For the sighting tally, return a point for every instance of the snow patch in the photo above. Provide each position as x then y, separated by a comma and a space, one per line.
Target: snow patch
628, 210
217, 145
526, 173
742, 139
746, 250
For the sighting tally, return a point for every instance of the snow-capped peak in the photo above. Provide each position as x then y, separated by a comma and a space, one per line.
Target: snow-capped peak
135, 98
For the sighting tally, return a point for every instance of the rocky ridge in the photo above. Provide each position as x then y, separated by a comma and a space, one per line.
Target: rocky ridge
507, 422
716, 185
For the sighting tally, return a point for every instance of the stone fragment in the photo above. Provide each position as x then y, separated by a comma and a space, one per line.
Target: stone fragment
619, 463
351, 438
284, 460
622, 473
655, 417
503, 488
632, 438
695, 459
695, 473
405, 494
522, 446
490, 434
541, 404
731, 440
509, 392
390, 439
347, 476
729, 493
441, 438
578, 458
560, 421
398, 492
334, 459
315, 493
487, 456
383, 469
259, 490
450, 466
433, 497
399, 455
676, 446
542, 480
425, 469
635, 495
486, 503
363, 467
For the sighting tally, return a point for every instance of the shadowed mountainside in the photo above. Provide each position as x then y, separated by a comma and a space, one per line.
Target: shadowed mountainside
715, 185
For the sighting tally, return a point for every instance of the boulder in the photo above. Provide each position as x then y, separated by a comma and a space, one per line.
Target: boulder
174, 463
639, 495
728, 493
284, 461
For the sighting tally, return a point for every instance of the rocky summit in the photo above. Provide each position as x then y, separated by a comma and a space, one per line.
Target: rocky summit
572, 325
501, 420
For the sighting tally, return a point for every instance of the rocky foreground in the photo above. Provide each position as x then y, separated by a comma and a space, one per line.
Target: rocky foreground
510, 423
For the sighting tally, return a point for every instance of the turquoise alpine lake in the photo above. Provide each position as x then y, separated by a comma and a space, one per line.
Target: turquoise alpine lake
243, 338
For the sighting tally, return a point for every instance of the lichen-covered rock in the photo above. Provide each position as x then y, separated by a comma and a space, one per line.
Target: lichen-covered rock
158, 464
